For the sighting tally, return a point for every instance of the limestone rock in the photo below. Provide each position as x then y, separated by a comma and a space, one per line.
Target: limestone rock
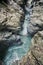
19, 1
36, 20
10, 17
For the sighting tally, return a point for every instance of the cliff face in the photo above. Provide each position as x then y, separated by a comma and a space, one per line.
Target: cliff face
36, 18
10, 16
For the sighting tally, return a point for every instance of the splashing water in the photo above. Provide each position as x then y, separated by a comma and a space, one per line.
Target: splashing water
24, 32
27, 19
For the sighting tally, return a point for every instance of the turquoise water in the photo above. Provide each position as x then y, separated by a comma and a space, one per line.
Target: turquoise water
16, 53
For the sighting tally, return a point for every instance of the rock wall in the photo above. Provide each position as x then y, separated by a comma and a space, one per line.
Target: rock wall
36, 19
10, 16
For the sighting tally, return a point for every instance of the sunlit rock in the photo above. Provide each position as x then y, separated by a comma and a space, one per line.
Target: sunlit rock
10, 17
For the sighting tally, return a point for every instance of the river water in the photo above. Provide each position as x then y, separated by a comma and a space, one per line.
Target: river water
17, 52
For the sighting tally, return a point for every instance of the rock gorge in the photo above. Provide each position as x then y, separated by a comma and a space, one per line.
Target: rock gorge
12, 19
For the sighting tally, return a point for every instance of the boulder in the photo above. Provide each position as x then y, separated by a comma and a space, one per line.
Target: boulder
10, 17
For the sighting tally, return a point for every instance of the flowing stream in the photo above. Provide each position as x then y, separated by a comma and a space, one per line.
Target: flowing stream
17, 52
